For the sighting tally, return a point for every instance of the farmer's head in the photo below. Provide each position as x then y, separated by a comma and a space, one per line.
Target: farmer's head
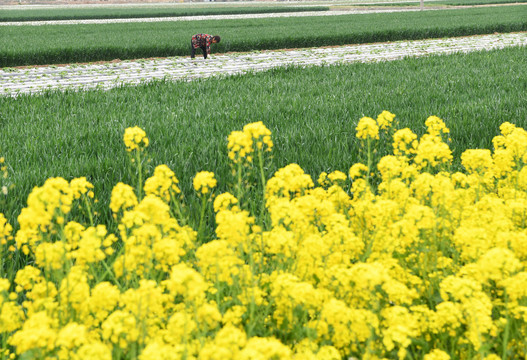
216, 39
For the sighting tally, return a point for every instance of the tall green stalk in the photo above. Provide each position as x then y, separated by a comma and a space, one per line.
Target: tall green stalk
139, 175
202, 216
263, 181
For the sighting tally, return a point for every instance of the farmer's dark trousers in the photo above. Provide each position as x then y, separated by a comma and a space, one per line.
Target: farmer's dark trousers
193, 51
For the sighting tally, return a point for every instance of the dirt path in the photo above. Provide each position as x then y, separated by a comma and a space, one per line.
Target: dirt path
112, 74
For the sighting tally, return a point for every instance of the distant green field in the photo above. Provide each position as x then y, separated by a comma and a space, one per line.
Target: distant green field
477, 2
444, 2
32, 45
140, 12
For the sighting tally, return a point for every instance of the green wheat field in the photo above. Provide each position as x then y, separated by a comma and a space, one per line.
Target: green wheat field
362, 211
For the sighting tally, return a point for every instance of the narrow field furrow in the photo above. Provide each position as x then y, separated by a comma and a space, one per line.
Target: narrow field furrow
110, 75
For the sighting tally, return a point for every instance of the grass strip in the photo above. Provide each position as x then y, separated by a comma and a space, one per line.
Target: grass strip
443, 2
311, 112
478, 2
141, 12
34, 45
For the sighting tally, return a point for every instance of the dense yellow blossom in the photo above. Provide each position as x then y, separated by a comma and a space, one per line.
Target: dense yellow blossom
432, 152
50, 256
290, 181
225, 201
162, 183
240, 146
93, 246
120, 329
103, 299
263, 349
38, 332
135, 139
367, 128
404, 142
334, 178
477, 161
226, 345
204, 182
95, 350
243, 144
437, 354
358, 171
81, 186
385, 120
292, 295
188, 283
218, 261
123, 197
11, 317
410, 260
260, 134
234, 226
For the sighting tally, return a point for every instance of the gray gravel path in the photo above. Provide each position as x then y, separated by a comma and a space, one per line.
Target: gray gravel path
35, 80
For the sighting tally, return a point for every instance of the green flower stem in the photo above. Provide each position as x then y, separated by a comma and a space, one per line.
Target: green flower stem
139, 175
111, 274
239, 189
202, 216
262, 178
369, 161
88, 208
179, 212
506, 335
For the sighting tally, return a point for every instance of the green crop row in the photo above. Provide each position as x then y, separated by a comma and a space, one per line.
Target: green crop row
444, 2
142, 12
311, 112
32, 45
477, 2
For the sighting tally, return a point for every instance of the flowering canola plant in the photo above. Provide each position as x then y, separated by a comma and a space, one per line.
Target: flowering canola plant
428, 263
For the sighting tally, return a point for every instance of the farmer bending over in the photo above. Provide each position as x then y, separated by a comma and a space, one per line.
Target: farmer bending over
203, 41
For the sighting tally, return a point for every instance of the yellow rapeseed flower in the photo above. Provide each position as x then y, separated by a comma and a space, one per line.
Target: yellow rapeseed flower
385, 120
367, 128
135, 139
225, 201
80, 186
260, 134
204, 182
404, 142
437, 354
240, 145
477, 161
162, 183
123, 197
394, 268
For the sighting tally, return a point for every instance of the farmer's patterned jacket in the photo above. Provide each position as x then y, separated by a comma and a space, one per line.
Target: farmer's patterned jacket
202, 41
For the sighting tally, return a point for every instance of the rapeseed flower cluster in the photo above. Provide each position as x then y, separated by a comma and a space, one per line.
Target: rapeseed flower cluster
135, 139
204, 182
428, 264
368, 128
242, 145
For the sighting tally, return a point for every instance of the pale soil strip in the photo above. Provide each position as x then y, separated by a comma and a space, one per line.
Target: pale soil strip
204, 17
109, 75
